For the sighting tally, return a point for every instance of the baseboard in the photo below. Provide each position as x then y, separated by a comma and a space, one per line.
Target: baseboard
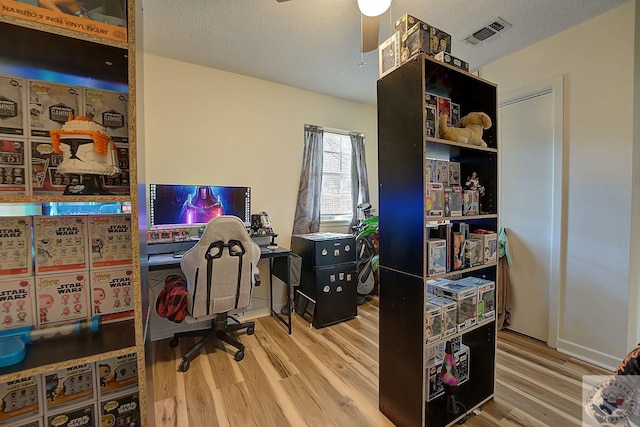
597, 358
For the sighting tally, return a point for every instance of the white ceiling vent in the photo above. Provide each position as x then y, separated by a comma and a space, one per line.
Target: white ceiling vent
484, 33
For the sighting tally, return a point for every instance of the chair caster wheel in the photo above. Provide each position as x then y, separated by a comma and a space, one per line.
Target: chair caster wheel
251, 330
239, 355
174, 342
184, 366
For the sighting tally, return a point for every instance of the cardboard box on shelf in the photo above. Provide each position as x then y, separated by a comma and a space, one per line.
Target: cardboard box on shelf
13, 111
14, 170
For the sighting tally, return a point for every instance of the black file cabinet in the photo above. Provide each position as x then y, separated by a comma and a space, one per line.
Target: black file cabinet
328, 278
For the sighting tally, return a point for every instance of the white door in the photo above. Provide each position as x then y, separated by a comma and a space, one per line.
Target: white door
527, 211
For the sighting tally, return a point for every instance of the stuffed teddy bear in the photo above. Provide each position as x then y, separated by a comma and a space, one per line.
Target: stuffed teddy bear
468, 130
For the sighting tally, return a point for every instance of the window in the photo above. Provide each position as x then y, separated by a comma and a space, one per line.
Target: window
337, 204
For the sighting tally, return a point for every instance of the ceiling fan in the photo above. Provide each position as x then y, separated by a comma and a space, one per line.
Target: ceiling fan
370, 11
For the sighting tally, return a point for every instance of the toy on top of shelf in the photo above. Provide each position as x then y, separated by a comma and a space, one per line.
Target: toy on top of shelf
468, 130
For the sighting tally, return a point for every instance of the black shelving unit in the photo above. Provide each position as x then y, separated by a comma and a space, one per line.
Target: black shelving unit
402, 150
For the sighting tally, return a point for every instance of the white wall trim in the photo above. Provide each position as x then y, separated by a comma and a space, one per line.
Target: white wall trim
588, 355
553, 86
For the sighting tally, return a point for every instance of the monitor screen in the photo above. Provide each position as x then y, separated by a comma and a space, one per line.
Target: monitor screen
175, 206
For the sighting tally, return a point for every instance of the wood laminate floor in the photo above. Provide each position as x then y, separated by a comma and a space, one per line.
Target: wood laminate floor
329, 377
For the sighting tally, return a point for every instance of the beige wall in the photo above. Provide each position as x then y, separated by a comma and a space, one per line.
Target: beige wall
598, 175
206, 126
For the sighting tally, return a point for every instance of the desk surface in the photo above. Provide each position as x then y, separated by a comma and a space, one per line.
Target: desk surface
161, 261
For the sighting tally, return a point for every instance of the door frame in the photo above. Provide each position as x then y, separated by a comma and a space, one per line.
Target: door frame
555, 87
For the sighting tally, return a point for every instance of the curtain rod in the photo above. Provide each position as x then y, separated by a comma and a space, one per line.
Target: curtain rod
332, 130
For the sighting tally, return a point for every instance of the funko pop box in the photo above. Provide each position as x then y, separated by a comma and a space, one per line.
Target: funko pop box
112, 293
465, 297
14, 175
15, 246
50, 106
486, 296
17, 302
83, 415
120, 410
117, 374
449, 311
62, 297
110, 239
110, 109
13, 112
61, 243
433, 323
68, 387
20, 400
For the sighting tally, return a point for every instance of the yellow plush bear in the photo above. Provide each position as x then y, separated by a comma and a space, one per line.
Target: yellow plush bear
468, 130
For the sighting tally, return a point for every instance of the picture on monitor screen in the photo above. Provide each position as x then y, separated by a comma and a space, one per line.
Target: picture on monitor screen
174, 206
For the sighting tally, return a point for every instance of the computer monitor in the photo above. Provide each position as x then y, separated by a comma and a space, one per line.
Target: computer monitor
177, 205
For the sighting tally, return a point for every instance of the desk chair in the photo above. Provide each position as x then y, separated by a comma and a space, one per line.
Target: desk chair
221, 271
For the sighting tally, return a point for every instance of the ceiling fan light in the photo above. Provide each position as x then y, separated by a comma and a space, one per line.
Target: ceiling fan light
373, 7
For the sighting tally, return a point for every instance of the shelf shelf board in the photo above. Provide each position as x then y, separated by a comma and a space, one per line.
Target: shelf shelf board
61, 198
460, 144
46, 354
460, 333
430, 221
463, 271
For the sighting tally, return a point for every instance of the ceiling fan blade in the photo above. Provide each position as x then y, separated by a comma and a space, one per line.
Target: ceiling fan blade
370, 28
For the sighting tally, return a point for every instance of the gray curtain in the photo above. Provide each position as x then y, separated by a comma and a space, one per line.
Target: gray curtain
307, 218
359, 180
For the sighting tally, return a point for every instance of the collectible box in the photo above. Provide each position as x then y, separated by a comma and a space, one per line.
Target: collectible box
117, 374
489, 244
455, 116
486, 296
121, 410
110, 237
444, 107
17, 298
119, 183
457, 251
20, 400
31, 422
45, 179
434, 199
454, 173
430, 125
472, 252
68, 387
50, 106
449, 310
15, 246
83, 415
417, 39
470, 202
447, 58
62, 297
433, 325
432, 283
13, 166
431, 168
442, 172
466, 300
431, 100
436, 256
60, 243
389, 54
440, 41
13, 113
405, 23
453, 201
112, 293
110, 109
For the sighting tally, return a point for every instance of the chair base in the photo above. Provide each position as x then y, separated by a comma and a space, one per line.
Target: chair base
219, 331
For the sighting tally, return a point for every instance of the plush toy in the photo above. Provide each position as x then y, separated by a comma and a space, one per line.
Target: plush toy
468, 130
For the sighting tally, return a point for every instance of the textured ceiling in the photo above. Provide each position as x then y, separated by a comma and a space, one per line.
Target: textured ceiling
314, 44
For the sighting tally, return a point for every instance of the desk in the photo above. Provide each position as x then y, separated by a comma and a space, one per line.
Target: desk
279, 265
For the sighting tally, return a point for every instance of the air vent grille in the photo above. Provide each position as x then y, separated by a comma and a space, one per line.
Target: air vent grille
488, 31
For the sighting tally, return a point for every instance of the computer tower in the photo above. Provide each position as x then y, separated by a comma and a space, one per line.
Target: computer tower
328, 278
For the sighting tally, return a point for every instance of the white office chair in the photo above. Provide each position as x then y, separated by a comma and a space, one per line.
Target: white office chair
221, 271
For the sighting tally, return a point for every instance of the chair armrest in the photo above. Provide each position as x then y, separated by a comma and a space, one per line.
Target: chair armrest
257, 280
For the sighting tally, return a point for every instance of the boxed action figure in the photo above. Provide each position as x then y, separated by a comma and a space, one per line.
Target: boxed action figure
465, 297
436, 256
121, 410
470, 202
119, 183
110, 109
110, 237
83, 415
18, 302
45, 179
62, 297
486, 296
447, 58
13, 112
117, 374
50, 106
449, 310
389, 54
15, 246
112, 293
434, 199
472, 252
13, 167
61, 243
68, 387
489, 244
453, 201
433, 325
20, 400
